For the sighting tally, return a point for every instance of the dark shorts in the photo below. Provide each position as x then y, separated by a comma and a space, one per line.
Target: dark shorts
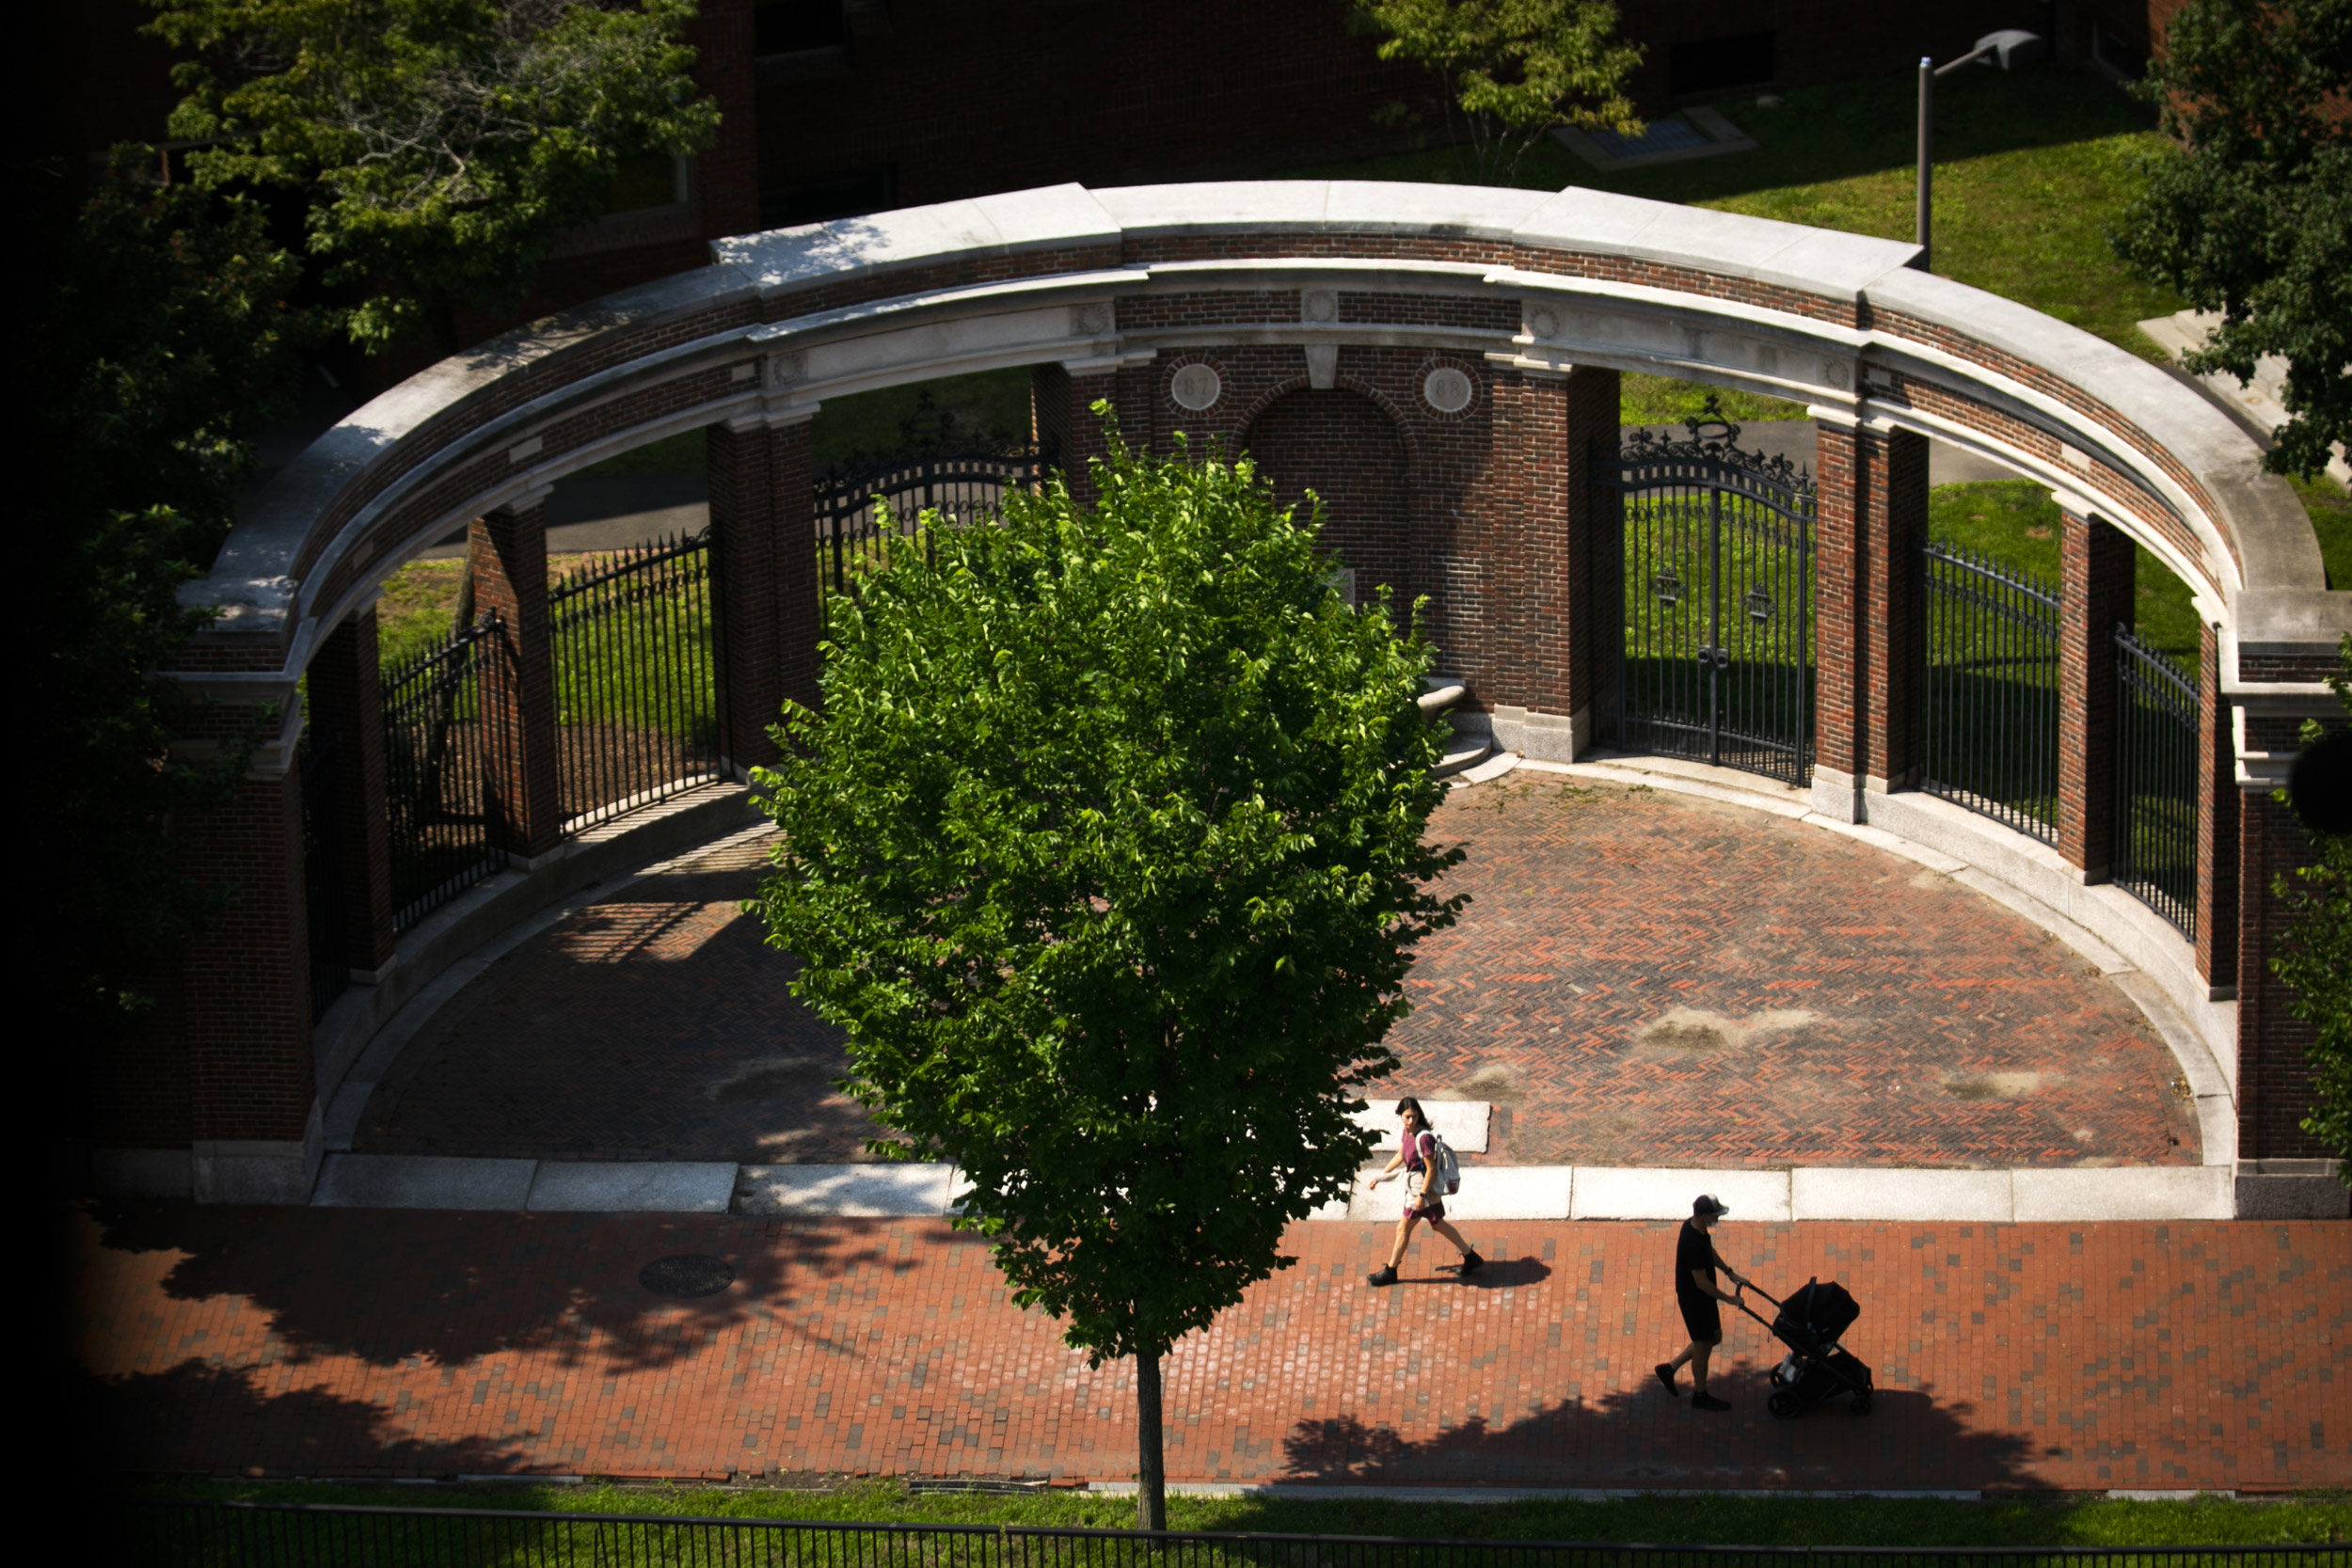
1704, 1318
1431, 1209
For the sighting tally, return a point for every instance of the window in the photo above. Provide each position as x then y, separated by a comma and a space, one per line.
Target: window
1712, 65
788, 26
839, 196
648, 180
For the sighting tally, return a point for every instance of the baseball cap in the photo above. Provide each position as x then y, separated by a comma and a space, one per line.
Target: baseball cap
1709, 1203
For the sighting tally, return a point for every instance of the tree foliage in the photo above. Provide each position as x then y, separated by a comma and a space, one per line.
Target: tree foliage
2250, 214
2315, 958
159, 337
446, 142
1106, 853
1513, 69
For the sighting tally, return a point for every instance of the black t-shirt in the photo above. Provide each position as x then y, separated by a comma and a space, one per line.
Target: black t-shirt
1692, 1250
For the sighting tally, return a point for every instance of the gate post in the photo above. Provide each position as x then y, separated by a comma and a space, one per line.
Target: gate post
1068, 432
245, 993
764, 544
2096, 562
1871, 491
509, 563
2216, 826
1563, 664
346, 696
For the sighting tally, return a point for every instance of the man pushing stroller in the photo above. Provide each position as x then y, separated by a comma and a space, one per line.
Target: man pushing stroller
1698, 1295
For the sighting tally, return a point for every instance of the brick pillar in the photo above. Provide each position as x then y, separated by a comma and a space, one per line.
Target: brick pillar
1899, 527
510, 580
1543, 644
2095, 594
1061, 408
2217, 824
245, 994
2274, 1074
769, 566
346, 717
1872, 514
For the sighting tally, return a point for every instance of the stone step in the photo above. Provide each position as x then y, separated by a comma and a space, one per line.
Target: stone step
1467, 753
1436, 699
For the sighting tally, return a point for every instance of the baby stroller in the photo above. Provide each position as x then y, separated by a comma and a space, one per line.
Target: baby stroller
1810, 1322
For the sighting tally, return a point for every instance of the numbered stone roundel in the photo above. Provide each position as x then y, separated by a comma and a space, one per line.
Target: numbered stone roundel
1196, 387
1447, 389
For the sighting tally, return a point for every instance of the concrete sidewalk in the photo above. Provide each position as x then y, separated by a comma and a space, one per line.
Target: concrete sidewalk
325, 1341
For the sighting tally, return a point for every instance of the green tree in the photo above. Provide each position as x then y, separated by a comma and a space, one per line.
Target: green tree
2315, 958
443, 143
2251, 214
1513, 69
1106, 852
159, 334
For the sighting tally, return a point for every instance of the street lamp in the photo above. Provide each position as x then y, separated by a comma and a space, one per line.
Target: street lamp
2008, 47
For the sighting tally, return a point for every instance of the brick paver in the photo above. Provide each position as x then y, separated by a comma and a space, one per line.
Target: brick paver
338, 1342
1640, 978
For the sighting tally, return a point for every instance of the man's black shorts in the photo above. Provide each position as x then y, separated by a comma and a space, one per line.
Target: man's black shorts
1704, 1318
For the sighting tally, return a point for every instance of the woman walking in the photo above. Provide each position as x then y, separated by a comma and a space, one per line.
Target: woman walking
1417, 1152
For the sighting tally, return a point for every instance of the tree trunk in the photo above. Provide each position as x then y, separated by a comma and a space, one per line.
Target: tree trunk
1151, 1469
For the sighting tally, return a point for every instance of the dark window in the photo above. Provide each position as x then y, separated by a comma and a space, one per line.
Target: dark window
2118, 53
1712, 65
839, 196
788, 26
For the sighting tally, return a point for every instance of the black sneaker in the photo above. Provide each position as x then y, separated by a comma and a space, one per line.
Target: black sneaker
1709, 1401
1472, 1264
1666, 1376
1382, 1276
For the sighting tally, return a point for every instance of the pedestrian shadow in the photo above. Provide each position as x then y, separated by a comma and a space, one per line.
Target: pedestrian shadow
391, 1287
1496, 1273
1646, 1440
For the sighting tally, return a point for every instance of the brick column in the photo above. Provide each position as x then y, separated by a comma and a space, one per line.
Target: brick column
2274, 1074
1595, 558
2217, 824
1062, 409
245, 993
2095, 592
1540, 607
346, 717
1872, 514
768, 566
510, 580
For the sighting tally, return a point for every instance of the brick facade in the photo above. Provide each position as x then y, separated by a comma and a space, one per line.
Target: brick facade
762, 530
345, 692
2274, 1086
2217, 823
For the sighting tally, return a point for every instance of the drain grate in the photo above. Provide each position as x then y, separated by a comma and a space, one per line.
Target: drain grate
687, 1275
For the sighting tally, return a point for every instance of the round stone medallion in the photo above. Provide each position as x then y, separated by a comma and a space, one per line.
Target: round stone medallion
1196, 387
1447, 389
687, 1275
1543, 322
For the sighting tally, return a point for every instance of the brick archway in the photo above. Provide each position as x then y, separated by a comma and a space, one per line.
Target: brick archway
1343, 447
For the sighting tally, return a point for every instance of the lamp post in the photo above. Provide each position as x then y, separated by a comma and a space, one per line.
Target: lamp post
2008, 47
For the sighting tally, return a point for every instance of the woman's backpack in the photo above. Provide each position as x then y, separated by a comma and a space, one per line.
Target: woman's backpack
1443, 1175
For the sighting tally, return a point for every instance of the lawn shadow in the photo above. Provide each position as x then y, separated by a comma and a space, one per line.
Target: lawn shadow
1646, 1440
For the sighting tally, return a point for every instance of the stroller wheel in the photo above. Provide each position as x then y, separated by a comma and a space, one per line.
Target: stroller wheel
1782, 1404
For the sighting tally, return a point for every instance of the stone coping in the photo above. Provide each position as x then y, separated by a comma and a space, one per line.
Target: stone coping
280, 584
930, 1191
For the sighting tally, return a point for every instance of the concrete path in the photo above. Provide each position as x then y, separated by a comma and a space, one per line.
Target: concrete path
325, 1341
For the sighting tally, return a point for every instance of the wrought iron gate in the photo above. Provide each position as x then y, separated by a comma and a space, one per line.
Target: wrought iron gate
2156, 780
1989, 692
1715, 598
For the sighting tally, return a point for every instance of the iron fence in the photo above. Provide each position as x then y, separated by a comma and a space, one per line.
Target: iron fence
860, 506
635, 654
2156, 780
322, 876
1713, 586
439, 761
334, 1536
1989, 693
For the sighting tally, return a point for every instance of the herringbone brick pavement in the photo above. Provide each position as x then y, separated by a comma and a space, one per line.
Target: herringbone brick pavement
1640, 978
347, 1342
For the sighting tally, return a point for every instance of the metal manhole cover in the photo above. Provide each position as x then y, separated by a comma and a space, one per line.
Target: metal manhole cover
687, 1275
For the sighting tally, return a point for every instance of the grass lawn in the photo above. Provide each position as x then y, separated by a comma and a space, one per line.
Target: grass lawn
1687, 1519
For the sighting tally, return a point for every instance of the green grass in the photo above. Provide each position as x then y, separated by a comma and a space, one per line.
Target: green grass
2331, 520
1685, 1519
2016, 523
1662, 400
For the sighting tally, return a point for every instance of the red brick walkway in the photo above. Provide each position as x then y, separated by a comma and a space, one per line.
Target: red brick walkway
1640, 978
340, 1343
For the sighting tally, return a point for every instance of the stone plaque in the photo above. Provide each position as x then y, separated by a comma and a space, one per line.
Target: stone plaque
1447, 389
1196, 387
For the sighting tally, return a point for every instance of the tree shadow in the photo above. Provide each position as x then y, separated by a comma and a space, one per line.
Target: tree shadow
393, 1287
1646, 1440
